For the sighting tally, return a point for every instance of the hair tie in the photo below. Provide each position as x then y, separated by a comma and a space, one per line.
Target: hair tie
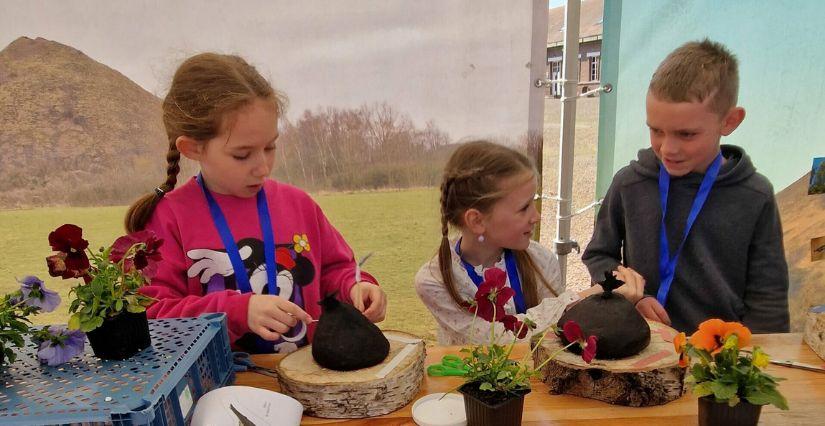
159, 192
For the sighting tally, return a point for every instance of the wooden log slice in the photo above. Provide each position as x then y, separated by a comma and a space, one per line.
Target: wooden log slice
815, 330
652, 377
353, 394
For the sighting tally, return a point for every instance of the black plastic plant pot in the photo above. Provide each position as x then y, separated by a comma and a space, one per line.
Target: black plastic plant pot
120, 337
719, 413
485, 408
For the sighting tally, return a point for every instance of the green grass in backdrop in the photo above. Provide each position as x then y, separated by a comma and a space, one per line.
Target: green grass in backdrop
401, 227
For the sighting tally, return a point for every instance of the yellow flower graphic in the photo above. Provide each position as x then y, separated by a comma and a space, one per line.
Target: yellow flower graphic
301, 243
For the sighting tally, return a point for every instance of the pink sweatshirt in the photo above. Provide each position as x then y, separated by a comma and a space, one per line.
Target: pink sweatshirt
196, 275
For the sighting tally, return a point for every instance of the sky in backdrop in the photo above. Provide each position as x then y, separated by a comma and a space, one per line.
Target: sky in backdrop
463, 64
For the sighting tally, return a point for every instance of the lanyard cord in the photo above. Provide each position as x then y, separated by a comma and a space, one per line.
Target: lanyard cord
241, 277
667, 263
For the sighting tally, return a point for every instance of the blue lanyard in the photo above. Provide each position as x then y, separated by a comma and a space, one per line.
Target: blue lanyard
667, 264
512, 274
219, 220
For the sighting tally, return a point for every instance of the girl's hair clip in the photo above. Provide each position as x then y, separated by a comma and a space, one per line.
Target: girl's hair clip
159, 192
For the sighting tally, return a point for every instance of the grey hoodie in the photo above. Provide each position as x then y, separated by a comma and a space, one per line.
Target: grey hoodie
732, 265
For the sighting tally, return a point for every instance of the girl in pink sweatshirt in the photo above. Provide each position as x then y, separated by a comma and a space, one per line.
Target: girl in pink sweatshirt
236, 241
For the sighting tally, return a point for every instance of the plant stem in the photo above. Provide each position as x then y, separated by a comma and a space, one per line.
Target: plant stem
553, 355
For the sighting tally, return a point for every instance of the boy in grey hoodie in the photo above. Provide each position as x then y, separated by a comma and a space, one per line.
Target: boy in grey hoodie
718, 252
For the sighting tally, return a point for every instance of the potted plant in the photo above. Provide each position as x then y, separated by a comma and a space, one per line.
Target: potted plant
729, 381
56, 345
107, 304
495, 385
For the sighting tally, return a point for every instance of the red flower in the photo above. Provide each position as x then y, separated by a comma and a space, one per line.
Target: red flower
73, 262
517, 327
589, 349
572, 332
492, 295
145, 256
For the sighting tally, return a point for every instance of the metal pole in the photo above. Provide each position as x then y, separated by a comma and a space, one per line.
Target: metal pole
535, 110
570, 76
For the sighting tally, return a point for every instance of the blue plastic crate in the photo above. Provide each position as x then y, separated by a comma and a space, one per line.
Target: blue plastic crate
158, 386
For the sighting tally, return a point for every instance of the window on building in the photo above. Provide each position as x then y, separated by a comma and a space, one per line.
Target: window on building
555, 74
555, 70
594, 68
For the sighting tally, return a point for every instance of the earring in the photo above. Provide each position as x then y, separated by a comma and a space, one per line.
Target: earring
481, 238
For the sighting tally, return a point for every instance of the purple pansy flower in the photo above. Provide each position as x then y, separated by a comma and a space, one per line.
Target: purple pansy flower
36, 294
62, 345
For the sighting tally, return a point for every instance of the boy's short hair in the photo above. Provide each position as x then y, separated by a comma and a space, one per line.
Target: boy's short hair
696, 71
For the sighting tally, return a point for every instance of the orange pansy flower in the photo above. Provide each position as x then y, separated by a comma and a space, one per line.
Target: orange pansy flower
742, 332
713, 332
679, 342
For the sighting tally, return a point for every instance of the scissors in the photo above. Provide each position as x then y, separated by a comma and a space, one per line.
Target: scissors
242, 362
450, 365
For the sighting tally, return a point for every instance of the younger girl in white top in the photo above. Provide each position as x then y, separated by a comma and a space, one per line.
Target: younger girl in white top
487, 193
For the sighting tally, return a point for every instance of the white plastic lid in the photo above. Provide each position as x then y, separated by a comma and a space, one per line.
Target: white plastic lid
433, 410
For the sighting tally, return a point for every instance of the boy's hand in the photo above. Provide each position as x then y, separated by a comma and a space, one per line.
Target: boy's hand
633, 288
651, 309
370, 300
270, 316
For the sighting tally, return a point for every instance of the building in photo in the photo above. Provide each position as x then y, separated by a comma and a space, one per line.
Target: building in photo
590, 46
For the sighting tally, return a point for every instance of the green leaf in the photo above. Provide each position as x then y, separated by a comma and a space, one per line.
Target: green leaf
90, 324
767, 395
119, 305
723, 391
486, 386
74, 322
702, 389
135, 309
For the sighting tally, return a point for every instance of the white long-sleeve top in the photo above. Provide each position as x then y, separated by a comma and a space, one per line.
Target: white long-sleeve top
455, 323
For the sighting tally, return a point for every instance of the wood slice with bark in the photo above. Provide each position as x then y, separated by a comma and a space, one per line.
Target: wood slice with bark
354, 394
815, 330
651, 377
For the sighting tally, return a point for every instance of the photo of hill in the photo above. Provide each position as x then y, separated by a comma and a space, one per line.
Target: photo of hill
74, 131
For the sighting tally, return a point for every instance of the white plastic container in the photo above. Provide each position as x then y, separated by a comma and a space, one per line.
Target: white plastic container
433, 410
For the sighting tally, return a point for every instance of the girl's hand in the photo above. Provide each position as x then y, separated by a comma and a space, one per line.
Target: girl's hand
270, 316
633, 288
651, 309
372, 298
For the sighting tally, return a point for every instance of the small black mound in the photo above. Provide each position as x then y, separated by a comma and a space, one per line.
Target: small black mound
345, 339
620, 328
